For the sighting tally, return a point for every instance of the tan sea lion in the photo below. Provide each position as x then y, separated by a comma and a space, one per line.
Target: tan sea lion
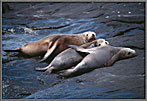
54, 43
70, 57
97, 57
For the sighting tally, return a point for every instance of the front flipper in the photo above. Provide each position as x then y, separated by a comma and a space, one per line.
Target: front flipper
49, 51
113, 59
80, 49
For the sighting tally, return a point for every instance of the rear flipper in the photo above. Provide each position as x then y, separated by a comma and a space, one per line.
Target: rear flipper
14, 50
48, 69
65, 73
42, 69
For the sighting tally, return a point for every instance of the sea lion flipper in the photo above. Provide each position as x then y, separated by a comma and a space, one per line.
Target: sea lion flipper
49, 51
14, 50
72, 46
42, 69
46, 55
80, 49
50, 69
65, 73
113, 59
77, 48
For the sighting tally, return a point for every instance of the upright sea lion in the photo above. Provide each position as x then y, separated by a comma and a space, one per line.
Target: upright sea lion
54, 43
70, 57
98, 57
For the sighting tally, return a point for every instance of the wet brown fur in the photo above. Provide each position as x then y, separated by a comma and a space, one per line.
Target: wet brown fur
41, 46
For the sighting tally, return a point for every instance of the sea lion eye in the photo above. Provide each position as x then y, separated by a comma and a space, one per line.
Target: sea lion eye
99, 44
129, 53
106, 42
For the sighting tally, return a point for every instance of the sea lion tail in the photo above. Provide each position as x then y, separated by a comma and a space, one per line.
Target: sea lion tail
14, 50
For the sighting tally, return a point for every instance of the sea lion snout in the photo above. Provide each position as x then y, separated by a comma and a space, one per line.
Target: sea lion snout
102, 42
93, 34
90, 36
128, 52
133, 52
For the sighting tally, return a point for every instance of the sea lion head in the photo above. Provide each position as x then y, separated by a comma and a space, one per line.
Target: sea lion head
90, 36
127, 53
101, 42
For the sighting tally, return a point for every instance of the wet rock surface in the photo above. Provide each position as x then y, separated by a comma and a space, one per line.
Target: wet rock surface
122, 24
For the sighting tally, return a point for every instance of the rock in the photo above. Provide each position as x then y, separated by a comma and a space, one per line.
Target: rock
122, 24
125, 77
78, 91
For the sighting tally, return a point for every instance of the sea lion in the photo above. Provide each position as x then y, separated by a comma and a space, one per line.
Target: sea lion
97, 57
70, 57
54, 43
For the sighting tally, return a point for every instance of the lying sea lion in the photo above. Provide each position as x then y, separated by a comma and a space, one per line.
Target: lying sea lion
70, 57
54, 43
97, 57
